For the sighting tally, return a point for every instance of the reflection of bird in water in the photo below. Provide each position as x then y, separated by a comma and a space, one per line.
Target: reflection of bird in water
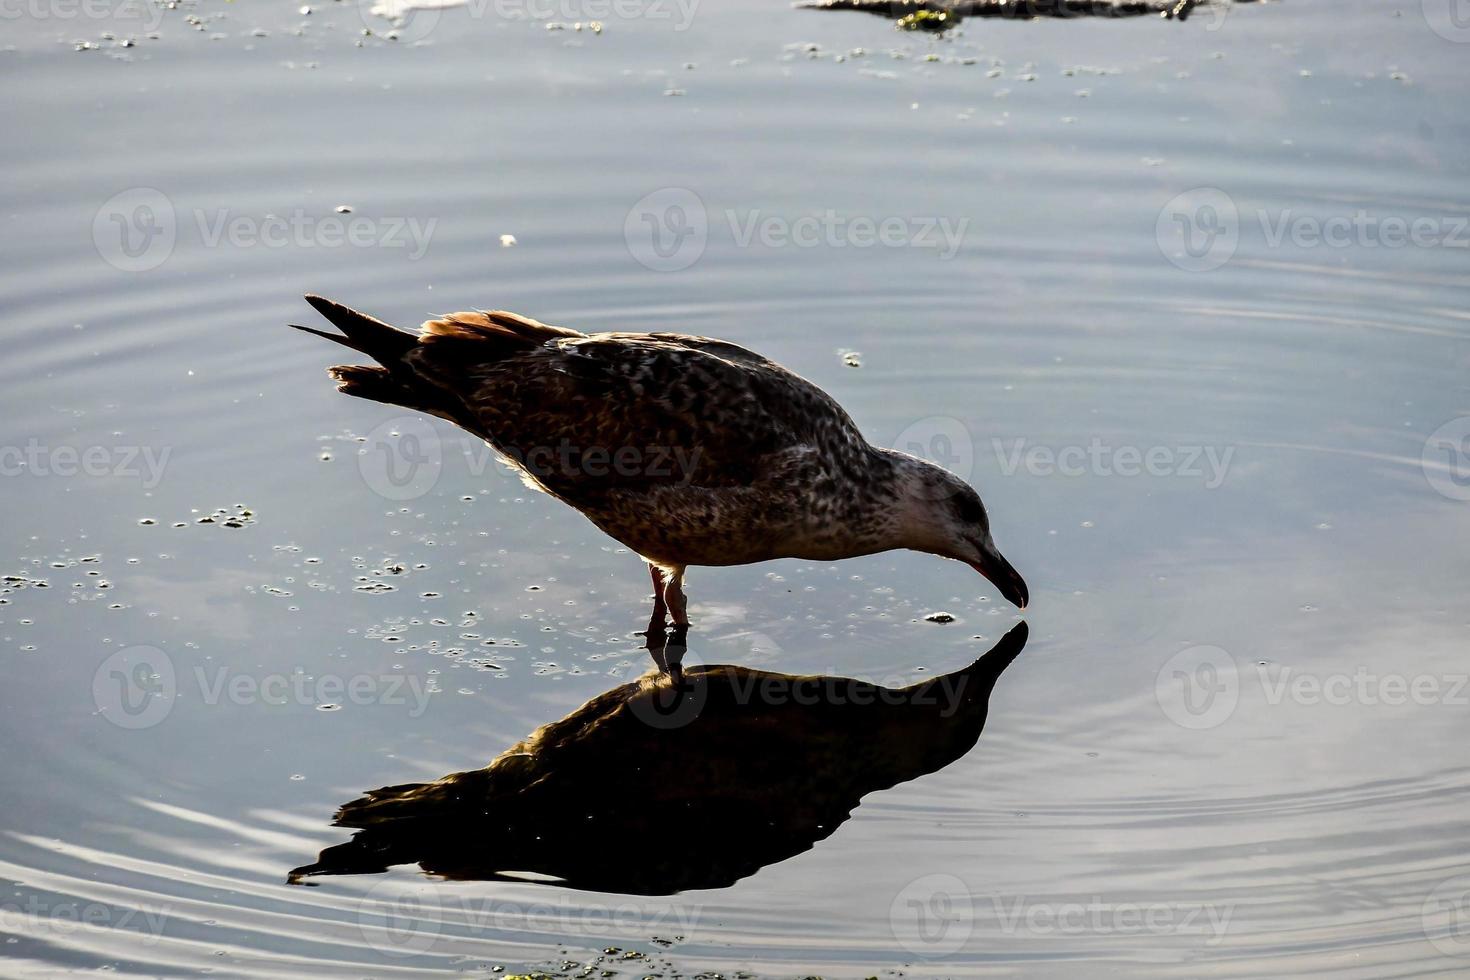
688, 450
746, 767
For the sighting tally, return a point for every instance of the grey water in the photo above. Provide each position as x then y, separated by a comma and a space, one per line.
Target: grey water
1185, 301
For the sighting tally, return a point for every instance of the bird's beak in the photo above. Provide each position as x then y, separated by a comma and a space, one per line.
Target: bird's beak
992, 565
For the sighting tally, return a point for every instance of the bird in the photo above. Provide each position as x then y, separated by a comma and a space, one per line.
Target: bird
687, 450
733, 770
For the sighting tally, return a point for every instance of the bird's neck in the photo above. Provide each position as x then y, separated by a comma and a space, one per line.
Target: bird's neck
911, 497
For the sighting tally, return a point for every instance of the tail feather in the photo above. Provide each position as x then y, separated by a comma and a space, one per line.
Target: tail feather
382, 342
499, 326
374, 383
335, 337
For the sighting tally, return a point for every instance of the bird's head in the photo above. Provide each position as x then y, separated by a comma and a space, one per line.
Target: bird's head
943, 515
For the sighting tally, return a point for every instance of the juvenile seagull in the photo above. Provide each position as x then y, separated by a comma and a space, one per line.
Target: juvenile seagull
688, 450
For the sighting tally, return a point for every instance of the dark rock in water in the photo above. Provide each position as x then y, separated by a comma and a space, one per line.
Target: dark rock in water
928, 20
937, 15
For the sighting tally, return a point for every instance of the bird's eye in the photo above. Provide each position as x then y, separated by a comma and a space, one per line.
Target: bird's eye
969, 510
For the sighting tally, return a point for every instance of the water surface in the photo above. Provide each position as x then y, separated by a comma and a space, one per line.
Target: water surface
1233, 745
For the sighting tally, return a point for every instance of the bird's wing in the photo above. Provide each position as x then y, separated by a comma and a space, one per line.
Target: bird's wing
629, 411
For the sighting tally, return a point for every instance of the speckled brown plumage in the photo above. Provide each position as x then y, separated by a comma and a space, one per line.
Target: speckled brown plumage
688, 450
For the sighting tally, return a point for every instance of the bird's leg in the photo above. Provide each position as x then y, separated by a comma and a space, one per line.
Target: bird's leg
667, 651
659, 617
657, 620
655, 642
674, 597
673, 655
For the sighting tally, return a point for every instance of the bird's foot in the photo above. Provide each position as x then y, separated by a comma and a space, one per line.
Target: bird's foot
667, 646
